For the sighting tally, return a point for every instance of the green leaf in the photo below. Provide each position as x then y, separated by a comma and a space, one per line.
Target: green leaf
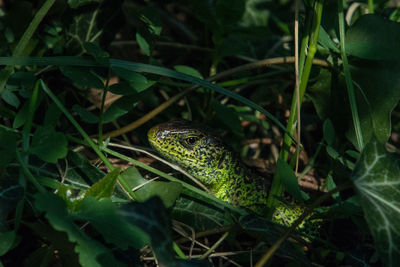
376, 179
10, 98
377, 96
122, 88
82, 77
103, 215
325, 40
104, 187
85, 114
136, 80
133, 66
289, 179
189, 71
120, 107
91, 252
373, 37
152, 218
48, 144
22, 79
21, 116
81, 171
143, 44
167, 191
95, 51
6, 241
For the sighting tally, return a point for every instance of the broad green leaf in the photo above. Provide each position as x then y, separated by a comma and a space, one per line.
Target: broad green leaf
122, 88
167, 191
189, 71
21, 116
85, 114
376, 179
82, 77
103, 215
288, 177
373, 37
6, 241
48, 144
152, 218
104, 187
22, 79
377, 88
136, 80
120, 107
10, 98
90, 251
377, 96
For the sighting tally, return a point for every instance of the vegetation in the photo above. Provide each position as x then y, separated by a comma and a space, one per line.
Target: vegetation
83, 80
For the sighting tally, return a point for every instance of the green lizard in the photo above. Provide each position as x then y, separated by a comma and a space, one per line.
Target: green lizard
206, 157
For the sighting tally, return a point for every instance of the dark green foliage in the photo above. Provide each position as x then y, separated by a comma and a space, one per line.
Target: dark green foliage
66, 200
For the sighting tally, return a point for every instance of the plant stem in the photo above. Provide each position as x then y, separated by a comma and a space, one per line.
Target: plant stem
88, 140
23, 42
277, 187
349, 81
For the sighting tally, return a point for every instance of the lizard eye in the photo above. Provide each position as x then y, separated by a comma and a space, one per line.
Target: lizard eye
191, 140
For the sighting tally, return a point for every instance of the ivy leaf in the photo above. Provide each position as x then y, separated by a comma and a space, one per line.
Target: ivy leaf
48, 144
376, 178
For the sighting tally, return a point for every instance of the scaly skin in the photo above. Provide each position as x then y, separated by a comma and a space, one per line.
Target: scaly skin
209, 160
205, 156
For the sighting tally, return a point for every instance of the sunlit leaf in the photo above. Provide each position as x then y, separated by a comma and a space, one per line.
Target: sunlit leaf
144, 189
104, 187
376, 179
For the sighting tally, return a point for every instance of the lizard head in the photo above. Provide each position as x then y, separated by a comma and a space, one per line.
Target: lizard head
192, 147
